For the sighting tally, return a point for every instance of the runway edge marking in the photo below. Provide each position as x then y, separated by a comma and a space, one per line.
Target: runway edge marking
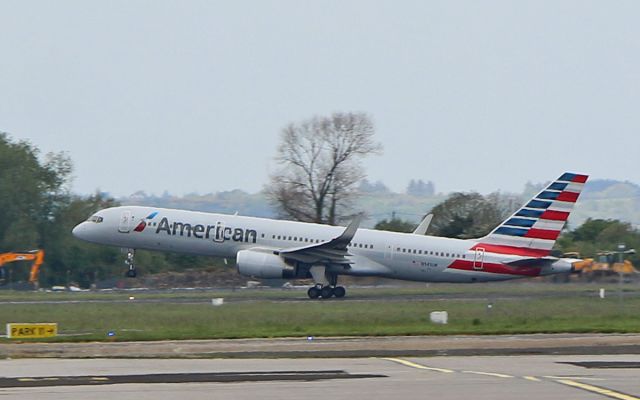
417, 366
488, 374
599, 390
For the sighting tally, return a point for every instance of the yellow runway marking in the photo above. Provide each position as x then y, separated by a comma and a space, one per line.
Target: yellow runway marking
532, 378
99, 378
488, 374
582, 378
598, 390
418, 366
37, 379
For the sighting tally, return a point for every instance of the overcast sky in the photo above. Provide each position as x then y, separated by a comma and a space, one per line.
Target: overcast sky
190, 96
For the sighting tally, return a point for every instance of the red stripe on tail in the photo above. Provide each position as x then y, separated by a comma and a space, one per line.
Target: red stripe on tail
542, 234
570, 197
580, 178
555, 215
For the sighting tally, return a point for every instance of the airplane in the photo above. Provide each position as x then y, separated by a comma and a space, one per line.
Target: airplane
266, 248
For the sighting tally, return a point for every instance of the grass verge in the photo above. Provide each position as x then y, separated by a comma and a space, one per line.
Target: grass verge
567, 312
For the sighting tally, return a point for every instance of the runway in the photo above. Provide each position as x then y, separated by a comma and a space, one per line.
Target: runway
328, 347
483, 377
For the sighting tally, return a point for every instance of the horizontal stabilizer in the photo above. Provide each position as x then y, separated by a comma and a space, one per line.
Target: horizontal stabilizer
531, 262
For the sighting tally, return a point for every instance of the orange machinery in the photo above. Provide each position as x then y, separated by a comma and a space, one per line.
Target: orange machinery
37, 256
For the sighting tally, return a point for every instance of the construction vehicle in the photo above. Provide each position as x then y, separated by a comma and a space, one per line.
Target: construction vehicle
37, 256
605, 264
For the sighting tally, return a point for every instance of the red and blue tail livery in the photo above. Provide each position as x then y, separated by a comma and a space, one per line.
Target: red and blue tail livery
534, 228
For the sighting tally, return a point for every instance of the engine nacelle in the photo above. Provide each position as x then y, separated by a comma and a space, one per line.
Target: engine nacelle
263, 264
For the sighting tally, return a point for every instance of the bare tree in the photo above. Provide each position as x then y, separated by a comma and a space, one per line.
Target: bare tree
320, 166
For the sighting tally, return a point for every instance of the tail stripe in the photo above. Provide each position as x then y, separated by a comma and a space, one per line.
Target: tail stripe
527, 223
549, 224
525, 212
558, 186
548, 195
555, 215
569, 177
538, 204
542, 234
570, 197
503, 230
537, 225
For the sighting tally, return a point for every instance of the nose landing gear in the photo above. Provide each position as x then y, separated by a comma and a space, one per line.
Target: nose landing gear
131, 272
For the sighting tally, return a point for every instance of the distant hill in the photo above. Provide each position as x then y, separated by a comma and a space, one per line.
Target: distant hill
604, 198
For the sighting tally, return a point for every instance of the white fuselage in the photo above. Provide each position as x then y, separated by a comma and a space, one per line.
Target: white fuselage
372, 253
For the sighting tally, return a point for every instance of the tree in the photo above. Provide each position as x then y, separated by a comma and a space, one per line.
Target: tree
368, 187
31, 193
420, 188
470, 215
596, 235
320, 166
395, 225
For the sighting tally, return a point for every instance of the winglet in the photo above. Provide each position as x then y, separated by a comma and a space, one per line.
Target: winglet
424, 225
345, 238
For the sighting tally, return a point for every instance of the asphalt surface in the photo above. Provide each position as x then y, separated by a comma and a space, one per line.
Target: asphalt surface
496, 378
386, 346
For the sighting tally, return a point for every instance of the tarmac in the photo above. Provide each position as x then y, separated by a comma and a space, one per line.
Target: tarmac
318, 347
445, 378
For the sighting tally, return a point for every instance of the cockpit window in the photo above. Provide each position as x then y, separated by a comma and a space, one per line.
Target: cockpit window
95, 218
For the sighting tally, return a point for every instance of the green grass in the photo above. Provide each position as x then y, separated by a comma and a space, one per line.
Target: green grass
559, 308
481, 289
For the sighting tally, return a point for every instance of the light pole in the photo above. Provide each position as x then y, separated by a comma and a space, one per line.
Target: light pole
621, 252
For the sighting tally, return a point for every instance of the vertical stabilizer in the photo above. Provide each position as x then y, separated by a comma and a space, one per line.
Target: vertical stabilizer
534, 228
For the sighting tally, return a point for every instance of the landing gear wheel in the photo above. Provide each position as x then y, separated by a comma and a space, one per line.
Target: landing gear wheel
339, 291
313, 292
131, 273
326, 292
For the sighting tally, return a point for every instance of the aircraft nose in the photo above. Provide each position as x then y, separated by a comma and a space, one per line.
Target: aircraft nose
79, 230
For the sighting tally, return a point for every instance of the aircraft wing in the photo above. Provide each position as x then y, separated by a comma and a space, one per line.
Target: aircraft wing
334, 251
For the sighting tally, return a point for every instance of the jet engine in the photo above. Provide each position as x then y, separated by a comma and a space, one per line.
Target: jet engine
263, 264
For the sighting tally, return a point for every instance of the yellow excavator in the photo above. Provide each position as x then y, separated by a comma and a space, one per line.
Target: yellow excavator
37, 256
606, 263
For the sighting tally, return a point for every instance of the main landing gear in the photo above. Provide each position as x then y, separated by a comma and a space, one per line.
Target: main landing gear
326, 284
131, 272
326, 291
